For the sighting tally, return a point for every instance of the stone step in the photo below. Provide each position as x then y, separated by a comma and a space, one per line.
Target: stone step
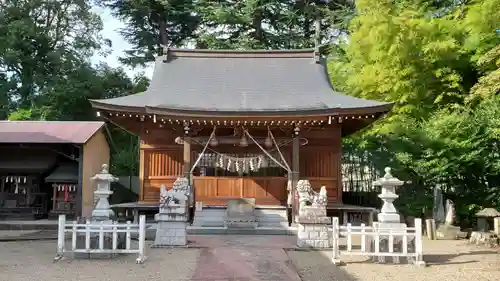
193, 230
270, 217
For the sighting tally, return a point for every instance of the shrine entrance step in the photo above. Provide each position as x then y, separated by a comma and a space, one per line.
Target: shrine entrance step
240, 213
267, 220
265, 216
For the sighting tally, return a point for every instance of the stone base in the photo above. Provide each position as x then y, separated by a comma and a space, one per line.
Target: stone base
388, 218
313, 232
484, 238
448, 232
171, 233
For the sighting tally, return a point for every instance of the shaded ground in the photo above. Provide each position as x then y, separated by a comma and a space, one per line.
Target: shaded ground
244, 258
447, 261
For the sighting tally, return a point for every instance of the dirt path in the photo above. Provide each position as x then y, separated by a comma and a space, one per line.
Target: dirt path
244, 258
244, 264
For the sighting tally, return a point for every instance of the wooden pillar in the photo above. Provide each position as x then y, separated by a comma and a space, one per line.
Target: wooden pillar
187, 159
187, 174
54, 198
295, 172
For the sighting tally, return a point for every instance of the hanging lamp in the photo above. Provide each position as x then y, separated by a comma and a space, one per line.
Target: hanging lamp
214, 141
268, 142
243, 141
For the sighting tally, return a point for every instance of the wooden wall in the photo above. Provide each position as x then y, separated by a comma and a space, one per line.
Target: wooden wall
95, 154
161, 162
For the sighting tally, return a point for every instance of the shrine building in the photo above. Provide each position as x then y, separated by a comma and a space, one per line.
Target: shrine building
240, 124
46, 166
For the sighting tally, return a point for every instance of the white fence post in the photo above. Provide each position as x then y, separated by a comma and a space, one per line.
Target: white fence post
142, 239
61, 236
335, 240
419, 253
363, 238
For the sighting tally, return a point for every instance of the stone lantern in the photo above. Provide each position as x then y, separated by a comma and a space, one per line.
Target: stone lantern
485, 219
102, 214
102, 210
388, 183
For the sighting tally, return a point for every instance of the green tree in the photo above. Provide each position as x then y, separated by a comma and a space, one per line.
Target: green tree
38, 38
439, 64
151, 24
257, 24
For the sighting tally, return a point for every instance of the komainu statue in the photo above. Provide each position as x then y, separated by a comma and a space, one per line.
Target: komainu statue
308, 197
320, 199
176, 196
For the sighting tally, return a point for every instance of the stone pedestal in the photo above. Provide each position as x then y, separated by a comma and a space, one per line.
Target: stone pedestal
312, 229
171, 230
173, 216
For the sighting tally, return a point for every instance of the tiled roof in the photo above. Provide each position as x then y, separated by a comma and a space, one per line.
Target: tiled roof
77, 132
239, 81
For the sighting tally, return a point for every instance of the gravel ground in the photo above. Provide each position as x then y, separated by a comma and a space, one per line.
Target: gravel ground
446, 260
33, 261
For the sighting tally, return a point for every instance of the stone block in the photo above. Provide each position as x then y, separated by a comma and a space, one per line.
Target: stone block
313, 211
321, 244
171, 233
313, 220
314, 235
323, 235
448, 232
303, 234
496, 226
240, 207
484, 238
240, 213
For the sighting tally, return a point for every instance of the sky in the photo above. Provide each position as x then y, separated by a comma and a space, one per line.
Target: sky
111, 29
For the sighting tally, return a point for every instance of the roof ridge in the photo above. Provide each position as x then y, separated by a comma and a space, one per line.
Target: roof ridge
170, 53
305, 50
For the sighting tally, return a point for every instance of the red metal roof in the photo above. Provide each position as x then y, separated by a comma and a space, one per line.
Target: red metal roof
77, 132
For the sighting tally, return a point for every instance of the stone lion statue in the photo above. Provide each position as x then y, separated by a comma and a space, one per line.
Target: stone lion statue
179, 193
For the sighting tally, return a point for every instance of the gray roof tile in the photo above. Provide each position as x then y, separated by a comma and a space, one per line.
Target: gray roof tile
239, 81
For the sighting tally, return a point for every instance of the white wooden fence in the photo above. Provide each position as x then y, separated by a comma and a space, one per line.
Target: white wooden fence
102, 231
378, 242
